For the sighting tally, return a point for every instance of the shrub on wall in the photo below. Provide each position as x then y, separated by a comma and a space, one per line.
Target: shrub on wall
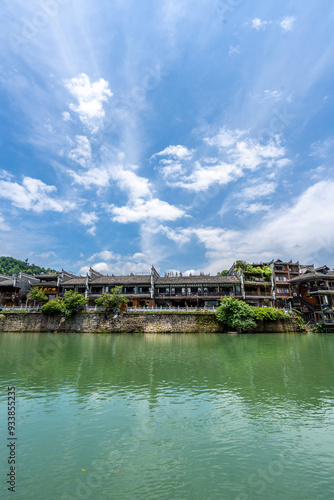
236, 314
51, 307
270, 314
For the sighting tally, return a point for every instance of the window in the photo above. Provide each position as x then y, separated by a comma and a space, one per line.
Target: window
281, 278
282, 290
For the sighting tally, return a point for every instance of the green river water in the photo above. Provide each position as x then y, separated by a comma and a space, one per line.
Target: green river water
169, 416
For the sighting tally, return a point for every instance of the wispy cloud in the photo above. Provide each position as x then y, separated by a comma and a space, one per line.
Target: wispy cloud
237, 153
107, 262
258, 24
258, 190
89, 219
3, 224
82, 152
297, 231
287, 24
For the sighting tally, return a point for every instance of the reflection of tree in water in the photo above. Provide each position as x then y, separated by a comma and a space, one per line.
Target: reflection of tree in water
269, 368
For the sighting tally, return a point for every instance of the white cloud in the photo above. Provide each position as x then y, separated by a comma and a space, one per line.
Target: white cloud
47, 255
82, 153
104, 255
90, 97
66, 116
33, 194
225, 138
304, 231
131, 183
323, 149
234, 49
5, 175
274, 94
254, 208
288, 23
237, 153
88, 219
127, 180
120, 267
99, 177
257, 191
178, 237
3, 225
179, 152
140, 210
258, 24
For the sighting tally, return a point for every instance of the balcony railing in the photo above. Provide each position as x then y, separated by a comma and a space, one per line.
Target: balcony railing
321, 287
195, 294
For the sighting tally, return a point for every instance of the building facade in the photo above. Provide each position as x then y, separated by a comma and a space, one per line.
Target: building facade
313, 295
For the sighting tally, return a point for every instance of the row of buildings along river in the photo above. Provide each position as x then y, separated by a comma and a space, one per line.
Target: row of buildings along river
287, 285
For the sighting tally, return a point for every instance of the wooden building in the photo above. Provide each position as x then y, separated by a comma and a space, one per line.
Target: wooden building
283, 272
194, 291
14, 289
50, 283
313, 295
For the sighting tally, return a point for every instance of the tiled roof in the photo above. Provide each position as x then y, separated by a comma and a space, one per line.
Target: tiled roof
201, 280
48, 276
122, 280
45, 283
74, 281
54, 276
10, 282
312, 275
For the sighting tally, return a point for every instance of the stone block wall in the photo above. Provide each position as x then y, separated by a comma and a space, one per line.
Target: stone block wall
130, 322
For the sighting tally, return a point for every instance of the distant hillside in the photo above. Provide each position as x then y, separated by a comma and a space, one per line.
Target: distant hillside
9, 266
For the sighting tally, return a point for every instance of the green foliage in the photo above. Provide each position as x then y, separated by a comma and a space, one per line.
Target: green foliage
241, 264
236, 314
318, 328
112, 300
72, 303
298, 321
51, 307
264, 272
270, 314
267, 271
10, 266
37, 295
223, 273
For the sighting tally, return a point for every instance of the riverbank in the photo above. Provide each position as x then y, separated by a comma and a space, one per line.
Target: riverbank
128, 322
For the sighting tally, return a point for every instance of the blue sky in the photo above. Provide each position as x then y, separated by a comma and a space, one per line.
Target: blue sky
184, 134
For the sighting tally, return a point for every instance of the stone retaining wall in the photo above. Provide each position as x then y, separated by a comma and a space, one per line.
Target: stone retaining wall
130, 322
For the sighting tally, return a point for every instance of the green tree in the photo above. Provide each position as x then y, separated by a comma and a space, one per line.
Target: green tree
9, 266
112, 300
236, 314
37, 295
223, 273
72, 303
241, 264
51, 307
